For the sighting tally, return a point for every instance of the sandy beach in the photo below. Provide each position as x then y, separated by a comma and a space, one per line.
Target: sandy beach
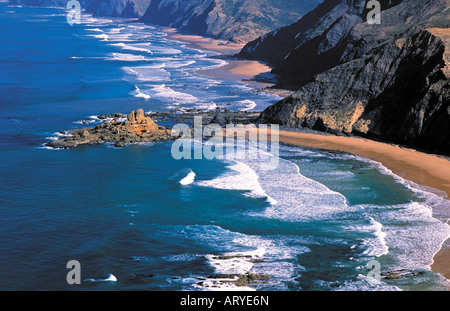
241, 70
204, 43
421, 168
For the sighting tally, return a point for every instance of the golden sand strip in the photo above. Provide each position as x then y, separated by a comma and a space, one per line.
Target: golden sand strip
204, 43
235, 69
421, 168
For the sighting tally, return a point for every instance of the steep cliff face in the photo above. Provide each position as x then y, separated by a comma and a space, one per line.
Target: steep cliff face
113, 8
311, 45
118, 8
234, 20
391, 81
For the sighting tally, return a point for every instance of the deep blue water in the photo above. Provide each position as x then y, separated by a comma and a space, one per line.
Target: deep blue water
313, 224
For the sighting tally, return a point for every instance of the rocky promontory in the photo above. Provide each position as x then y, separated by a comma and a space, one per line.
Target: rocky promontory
388, 81
138, 128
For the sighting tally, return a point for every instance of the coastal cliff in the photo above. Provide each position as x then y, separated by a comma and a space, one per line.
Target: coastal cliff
118, 8
313, 44
388, 81
233, 20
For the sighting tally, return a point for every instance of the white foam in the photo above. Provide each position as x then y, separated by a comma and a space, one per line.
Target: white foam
377, 246
110, 278
365, 284
127, 57
94, 29
207, 106
166, 93
414, 227
178, 64
116, 30
43, 146
235, 262
57, 135
122, 37
188, 179
166, 50
138, 93
299, 197
217, 63
249, 105
259, 255
102, 36
413, 235
148, 73
381, 236
242, 177
132, 47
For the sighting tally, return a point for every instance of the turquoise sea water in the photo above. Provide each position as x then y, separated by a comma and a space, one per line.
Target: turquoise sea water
313, 224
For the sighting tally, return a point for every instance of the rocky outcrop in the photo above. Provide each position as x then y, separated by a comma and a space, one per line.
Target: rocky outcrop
234, 20
387, 81
311, 45
239, 279
138, 128
400, 274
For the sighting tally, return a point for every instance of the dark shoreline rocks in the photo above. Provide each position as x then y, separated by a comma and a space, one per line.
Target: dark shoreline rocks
399, 274
240, 280
388, 82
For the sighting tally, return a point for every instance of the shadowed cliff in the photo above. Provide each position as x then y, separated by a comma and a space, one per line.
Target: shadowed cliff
387, 81
234, 20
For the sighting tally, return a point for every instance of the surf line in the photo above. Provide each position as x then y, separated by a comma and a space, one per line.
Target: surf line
250, 141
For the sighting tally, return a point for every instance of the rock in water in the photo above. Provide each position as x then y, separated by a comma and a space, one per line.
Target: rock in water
139, 116
222, 119
399, 274
137, 128
131, 117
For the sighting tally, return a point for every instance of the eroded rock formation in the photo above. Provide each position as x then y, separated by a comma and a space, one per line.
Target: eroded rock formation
138, 128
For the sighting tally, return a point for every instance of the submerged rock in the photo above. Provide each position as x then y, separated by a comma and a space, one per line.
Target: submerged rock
399, 274
239, 279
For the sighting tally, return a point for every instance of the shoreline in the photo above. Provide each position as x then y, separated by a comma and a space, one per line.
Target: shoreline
240, 70
423, 169
407, 163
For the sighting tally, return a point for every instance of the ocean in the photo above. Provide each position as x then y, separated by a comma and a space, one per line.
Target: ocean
137, 219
